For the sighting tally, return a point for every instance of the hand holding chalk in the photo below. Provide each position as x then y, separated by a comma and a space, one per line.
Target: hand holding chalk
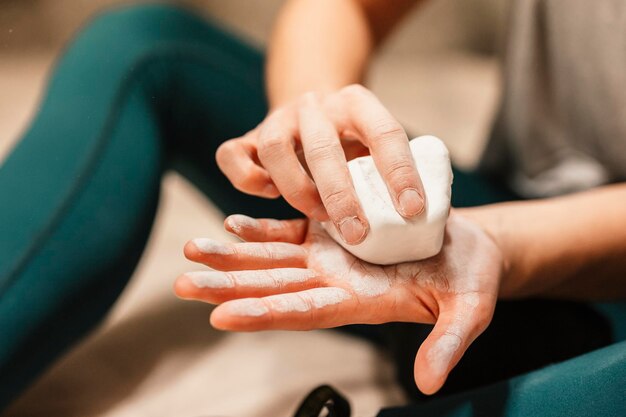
392, 238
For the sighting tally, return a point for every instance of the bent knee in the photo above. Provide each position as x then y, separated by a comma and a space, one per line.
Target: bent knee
141, 24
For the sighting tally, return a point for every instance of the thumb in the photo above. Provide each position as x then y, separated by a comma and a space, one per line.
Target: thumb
459, 323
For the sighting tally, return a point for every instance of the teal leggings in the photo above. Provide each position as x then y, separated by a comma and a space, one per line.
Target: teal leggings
142, 90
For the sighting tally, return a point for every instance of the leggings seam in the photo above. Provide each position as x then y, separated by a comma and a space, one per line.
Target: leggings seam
136, 67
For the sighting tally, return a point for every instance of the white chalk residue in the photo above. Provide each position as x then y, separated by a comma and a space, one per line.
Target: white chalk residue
445, 348
206, 245
273, 278
210, 279
322, 297
287, 303
369, 285
441, 354
271, 250
238, 222
306, 300
251, 307
472, 299
367, 281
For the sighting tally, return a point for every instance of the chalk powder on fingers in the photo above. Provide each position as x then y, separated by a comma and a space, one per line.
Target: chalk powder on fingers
316, 298
251, 307
277, 250
441, 354
273, 278
238, 222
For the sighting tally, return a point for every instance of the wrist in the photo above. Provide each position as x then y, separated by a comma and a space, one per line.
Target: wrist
492, 220
281, 96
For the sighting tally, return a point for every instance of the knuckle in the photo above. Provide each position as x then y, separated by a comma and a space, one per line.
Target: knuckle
310, 98
484, 311
301, 195
453, 333
272, 146
354, 90
305, 299
271, 318
339, 203
224, 152
400, 172
321, 147
277, 114
387, 130
245, 182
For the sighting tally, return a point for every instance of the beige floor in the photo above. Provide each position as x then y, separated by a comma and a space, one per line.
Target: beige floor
157, 356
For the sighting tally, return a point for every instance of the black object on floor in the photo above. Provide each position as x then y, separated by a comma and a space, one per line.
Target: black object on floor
324, 399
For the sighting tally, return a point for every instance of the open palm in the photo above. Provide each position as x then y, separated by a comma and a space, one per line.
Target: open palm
291, 275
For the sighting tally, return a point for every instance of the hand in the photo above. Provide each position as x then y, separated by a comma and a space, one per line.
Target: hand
291, 275
328, 130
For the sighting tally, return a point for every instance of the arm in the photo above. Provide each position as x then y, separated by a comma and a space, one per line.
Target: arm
567, 247
318, 48
323, 45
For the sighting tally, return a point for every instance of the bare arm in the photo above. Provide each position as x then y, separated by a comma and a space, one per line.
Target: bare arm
319, 49
323, 45
567, 247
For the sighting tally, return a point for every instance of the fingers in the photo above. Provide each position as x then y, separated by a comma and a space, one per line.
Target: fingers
329, 168
239, 256
277, 154
217, 286
266, 230
457, 327
389, 146
310, 309
236, 159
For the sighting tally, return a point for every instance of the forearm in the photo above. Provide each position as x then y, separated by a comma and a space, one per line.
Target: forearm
322, 45
570, 247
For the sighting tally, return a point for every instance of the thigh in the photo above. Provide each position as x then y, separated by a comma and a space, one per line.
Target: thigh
66, 272
584, 386
82, 185
471, 188
206, 92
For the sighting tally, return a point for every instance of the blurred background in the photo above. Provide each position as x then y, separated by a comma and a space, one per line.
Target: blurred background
156, 355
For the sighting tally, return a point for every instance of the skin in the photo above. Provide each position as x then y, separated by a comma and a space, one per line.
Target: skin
499, 251
456, 290
571, 247
318, 112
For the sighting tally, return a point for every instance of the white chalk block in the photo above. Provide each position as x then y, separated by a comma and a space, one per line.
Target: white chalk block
392, 238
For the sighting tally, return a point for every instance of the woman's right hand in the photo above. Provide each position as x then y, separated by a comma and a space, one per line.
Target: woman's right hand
327, 130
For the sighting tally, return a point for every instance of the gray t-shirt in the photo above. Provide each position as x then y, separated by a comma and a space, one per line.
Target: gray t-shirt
561, 126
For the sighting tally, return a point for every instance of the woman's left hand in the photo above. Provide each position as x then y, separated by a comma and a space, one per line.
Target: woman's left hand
291, 275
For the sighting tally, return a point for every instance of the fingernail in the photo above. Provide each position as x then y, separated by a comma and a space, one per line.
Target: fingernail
352, 230
411, 202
